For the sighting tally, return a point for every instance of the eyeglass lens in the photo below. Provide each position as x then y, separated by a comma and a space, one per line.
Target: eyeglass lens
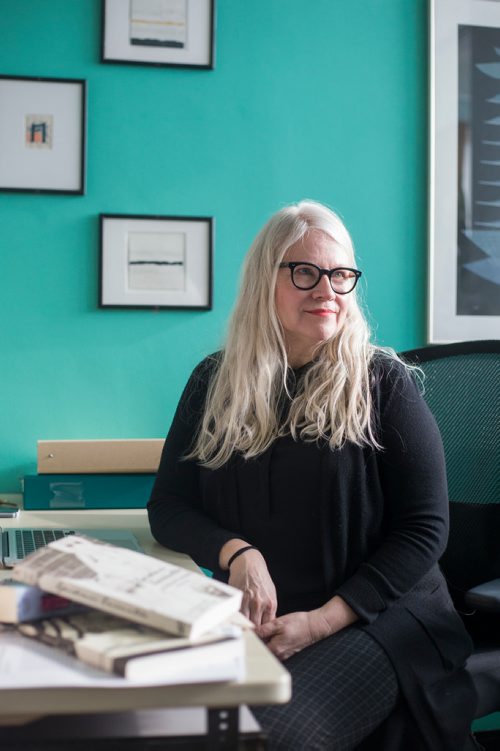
306, 277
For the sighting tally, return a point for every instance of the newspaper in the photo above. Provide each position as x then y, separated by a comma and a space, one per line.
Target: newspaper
130, 584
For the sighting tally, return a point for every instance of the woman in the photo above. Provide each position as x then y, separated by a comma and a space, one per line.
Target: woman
303, 467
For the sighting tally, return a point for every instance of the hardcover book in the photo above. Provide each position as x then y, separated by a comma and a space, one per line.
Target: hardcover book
137, 652
131, 585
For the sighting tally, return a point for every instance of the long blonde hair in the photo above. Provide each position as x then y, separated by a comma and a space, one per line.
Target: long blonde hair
333, 400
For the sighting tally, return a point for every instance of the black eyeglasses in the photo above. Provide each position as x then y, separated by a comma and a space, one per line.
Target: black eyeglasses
307, 275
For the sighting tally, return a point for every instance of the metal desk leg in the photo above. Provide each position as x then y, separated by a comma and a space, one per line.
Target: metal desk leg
223, 729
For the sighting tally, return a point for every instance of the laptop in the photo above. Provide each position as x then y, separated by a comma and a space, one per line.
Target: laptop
18, 542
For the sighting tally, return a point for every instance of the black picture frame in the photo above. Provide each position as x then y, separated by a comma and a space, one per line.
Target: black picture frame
180, 35
43, 134
156, 261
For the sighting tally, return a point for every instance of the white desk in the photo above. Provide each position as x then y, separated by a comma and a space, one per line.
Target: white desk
266, 681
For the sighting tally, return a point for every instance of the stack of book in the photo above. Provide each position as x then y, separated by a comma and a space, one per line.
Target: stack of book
125, 613
93, 474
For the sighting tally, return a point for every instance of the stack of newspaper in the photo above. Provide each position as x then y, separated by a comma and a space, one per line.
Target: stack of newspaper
143, 619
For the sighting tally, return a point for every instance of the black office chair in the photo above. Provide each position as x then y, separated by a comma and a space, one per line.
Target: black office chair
462, 389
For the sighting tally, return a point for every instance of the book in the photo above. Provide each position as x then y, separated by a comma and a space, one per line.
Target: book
140, 455
22, 602
86, 491
132, 585
137, 652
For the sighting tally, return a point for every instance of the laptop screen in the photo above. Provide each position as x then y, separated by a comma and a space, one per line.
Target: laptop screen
18, 542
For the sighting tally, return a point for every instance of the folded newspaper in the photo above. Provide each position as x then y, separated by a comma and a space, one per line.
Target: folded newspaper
132, 585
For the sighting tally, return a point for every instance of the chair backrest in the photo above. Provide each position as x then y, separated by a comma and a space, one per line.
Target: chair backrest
462, 389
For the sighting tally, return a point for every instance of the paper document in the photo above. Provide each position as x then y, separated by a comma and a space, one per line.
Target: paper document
25, 663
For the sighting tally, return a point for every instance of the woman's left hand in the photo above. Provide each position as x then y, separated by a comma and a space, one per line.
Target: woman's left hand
290, 633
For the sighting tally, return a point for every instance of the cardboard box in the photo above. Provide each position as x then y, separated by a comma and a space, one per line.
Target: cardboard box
138, 455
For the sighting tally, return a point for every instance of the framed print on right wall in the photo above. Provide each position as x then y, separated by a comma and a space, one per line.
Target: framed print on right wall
464, 210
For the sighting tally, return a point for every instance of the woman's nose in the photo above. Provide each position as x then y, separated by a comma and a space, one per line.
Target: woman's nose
324, 288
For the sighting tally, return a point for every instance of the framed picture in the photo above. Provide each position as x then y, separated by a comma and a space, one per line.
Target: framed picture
159, 32
42, 134
464, 232
156, 261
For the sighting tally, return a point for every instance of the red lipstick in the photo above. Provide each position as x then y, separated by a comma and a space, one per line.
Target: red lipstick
323, 312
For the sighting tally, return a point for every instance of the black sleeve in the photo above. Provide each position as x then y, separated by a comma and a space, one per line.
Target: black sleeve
174, 508
414, 488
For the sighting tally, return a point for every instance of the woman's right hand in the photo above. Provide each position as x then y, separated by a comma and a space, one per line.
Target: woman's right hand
249, 573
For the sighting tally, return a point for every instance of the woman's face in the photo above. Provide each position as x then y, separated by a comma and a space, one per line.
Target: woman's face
312, 316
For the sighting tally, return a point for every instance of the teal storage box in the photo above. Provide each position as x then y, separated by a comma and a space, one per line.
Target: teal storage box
101, 491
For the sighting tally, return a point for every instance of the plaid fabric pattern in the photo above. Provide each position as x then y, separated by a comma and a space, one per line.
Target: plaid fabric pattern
343, 687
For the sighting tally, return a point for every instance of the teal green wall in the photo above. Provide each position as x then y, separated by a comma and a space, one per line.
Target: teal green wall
326, 100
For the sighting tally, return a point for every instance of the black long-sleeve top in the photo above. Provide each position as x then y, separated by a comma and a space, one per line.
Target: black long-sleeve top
374, 523
381, 516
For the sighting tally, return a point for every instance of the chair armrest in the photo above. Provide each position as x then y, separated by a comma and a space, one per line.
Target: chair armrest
485, 597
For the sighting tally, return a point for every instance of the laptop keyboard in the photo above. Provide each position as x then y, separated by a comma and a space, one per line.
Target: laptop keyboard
29, 540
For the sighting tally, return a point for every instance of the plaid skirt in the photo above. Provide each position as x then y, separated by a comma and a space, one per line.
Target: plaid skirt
343, 687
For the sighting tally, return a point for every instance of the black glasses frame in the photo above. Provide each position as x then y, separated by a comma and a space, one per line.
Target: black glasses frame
322, 272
